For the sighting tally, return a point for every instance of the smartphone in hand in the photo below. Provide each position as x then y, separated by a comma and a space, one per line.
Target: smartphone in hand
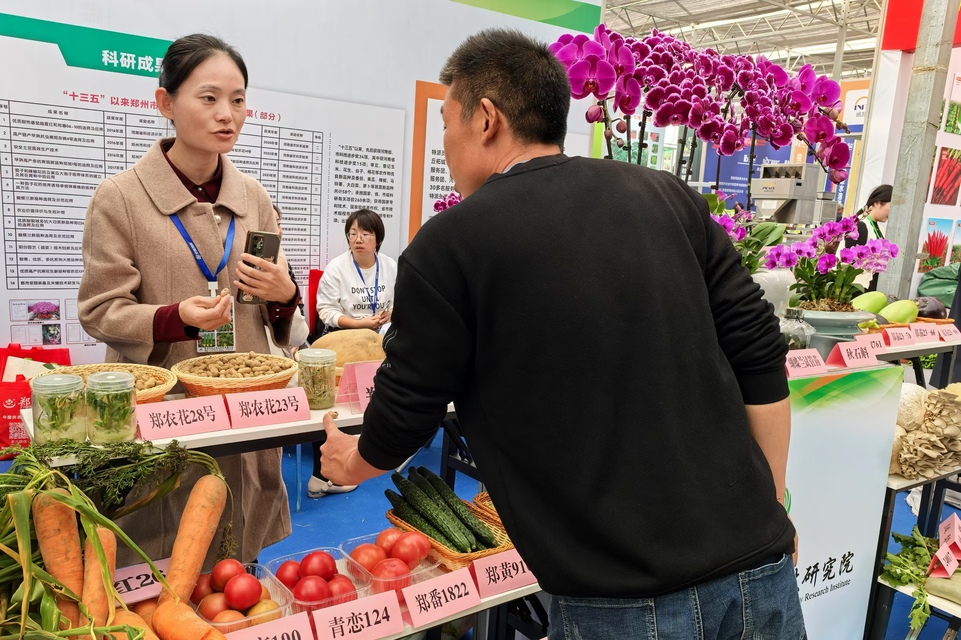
262, 244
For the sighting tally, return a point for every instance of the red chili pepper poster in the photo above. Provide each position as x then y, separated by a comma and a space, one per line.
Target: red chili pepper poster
937, 233
947, 179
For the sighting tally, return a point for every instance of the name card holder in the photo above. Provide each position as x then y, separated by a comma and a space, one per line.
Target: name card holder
178, 418
500, 573
440, 597
804, 362
357, 384
137, 583
369, 618
260, 408
293, 627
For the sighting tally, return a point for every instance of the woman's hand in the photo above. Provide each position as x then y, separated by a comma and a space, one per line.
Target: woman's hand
374, 322
265, 279
204, 312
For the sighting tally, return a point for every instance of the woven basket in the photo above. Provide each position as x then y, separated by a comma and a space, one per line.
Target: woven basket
936, 320
204, 386
165, 380
453, 560
484, 503
892, 325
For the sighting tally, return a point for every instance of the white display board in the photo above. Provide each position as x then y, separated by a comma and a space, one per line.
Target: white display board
329, 125
842, 429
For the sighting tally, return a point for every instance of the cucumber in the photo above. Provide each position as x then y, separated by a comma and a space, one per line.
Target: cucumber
478, 528
408, 514
419, 500
421, 482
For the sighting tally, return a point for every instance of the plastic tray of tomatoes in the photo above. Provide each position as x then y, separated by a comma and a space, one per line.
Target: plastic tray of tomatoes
427, 569
279, 594
345, 566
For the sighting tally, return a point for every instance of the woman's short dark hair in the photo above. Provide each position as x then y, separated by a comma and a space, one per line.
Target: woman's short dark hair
366, 220
519, 75
187, 53
880, 195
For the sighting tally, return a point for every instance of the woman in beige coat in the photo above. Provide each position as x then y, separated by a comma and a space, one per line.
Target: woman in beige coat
145, 293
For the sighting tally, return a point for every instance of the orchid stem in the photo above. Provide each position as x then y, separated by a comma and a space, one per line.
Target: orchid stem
690, 160
750, 168
680, 153
607, 127
641, 142
627, 121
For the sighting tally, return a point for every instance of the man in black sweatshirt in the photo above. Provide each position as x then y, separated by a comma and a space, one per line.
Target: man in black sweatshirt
615, 371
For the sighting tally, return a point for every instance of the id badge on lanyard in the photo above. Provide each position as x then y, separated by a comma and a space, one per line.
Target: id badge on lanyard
223, 338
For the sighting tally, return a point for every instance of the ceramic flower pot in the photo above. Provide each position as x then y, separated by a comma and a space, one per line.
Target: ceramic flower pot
775, 287
837, 323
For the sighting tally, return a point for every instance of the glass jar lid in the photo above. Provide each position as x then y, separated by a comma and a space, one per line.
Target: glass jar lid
318, 356
58, 383
794, 313
110, 381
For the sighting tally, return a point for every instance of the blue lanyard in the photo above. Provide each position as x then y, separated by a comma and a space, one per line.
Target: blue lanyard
211, 277
373, 299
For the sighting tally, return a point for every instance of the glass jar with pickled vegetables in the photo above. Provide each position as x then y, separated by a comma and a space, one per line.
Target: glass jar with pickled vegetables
58, 408
317, 374
797, 333
111, 400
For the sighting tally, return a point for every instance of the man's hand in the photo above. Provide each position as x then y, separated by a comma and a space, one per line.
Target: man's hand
265, 279
204, 312
340, 461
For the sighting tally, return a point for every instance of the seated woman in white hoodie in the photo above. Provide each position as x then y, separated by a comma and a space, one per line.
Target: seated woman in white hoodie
355, 292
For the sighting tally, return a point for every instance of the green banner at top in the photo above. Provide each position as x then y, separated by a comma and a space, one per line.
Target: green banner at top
91, 48
570, 14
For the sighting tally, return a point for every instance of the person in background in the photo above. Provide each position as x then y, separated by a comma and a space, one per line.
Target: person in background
355, 292
161, 241
596, 467
874, 213
299, 330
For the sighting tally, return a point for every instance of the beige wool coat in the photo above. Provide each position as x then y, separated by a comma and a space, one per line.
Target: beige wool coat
135, 261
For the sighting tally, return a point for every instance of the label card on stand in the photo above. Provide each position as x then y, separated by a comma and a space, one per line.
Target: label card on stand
292, 627
949, 333
874, 341
501, 572
899, 337
924, 332
369, 618
851, 355
357, 384
137, 583
804, 362
178, 418
440, 597
945, 561
259, 408
950, 530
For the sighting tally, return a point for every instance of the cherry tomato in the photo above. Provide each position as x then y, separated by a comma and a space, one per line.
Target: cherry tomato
202, 589
243, 591
213, 604
289, 573
385, 540
318, 563
232, 617
391, 574
342, 588
410, 548
367, 555
312, 589
224, 571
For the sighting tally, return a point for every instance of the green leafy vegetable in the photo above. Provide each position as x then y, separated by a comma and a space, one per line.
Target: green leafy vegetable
909, 567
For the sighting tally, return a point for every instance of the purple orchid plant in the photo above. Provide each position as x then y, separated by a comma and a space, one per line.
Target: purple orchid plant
447, 202
750, 238
724, 99
825, 276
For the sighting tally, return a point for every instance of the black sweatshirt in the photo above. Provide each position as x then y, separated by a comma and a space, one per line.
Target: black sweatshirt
599, 338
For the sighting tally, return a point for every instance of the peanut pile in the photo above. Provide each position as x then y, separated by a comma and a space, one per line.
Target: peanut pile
242, 365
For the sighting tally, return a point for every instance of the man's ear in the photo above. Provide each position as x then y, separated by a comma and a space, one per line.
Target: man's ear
493, 119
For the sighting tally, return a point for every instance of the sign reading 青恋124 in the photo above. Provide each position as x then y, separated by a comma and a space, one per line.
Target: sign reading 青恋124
259, 408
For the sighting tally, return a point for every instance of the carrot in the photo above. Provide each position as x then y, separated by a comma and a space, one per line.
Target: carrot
145, 610
175, 620
97, 600
59, 541
122, 616
198, 524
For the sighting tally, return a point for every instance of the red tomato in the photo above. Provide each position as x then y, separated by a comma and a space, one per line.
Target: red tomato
391, 574
385, 540
213, 604
342, 588
243, 591
289, 573
410, 548
318, 563
224, 571
367, 555
202, 589
312, 589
